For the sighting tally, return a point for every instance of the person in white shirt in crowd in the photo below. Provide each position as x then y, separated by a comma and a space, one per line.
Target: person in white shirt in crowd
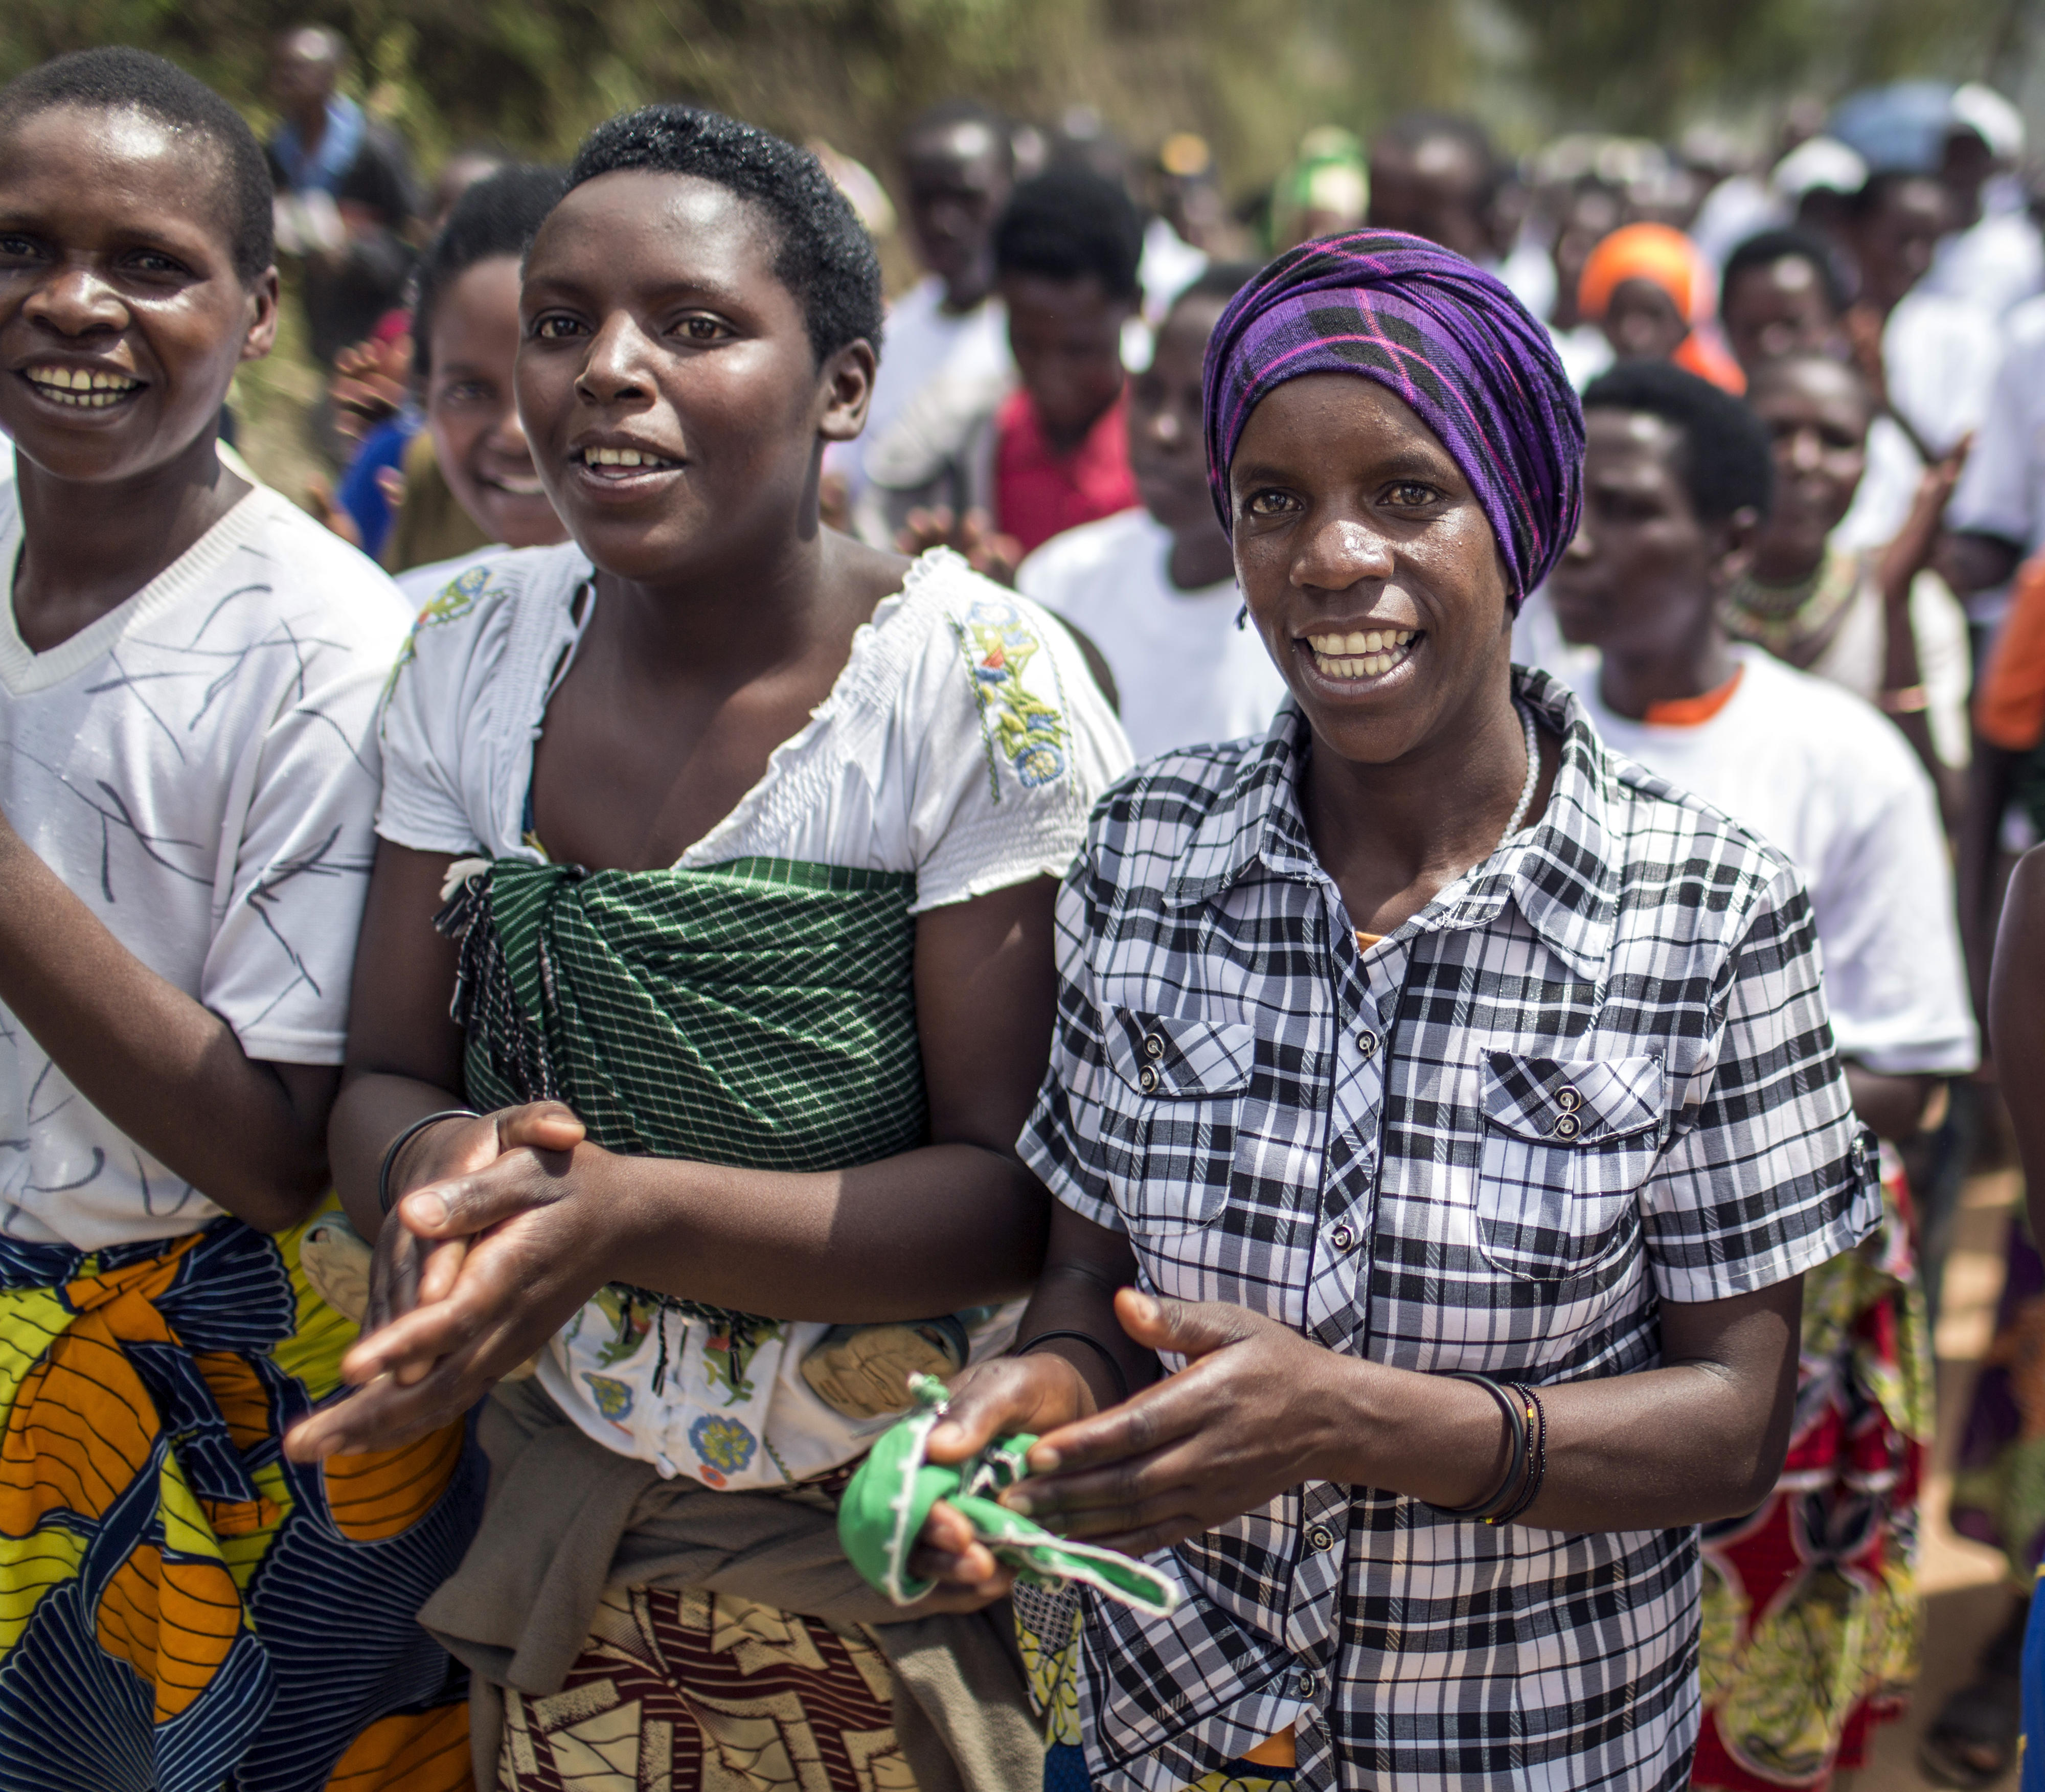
1994, 257
1997, 516
1154, 589
1816, 770
1878, 622
1678, 478
190, 666
1932, 358
1782, 294
958, 167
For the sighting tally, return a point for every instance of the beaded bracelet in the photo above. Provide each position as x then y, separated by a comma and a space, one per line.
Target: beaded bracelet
1505, 1495
1536, 1465
383, 1202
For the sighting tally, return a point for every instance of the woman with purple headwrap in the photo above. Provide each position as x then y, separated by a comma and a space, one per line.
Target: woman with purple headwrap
1442, 1116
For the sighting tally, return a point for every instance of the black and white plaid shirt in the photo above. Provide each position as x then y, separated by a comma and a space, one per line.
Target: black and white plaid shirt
1594, 1074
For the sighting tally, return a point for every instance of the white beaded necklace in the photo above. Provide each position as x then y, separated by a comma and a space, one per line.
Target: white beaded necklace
1533, 777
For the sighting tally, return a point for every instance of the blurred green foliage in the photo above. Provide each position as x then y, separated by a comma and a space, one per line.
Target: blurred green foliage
1252, 74
1630, 66
534, 75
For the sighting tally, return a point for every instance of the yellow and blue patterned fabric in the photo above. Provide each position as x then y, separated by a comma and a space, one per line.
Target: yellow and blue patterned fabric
182, 1609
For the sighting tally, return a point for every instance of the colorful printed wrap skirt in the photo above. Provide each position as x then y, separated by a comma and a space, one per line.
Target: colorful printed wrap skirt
1812, 1619
181, 1608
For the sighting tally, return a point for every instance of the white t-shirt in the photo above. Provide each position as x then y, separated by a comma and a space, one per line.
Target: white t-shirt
1940, 356
200, 767
923, 341
964, 741
1185, 673
1998, 264
2001, 489
1830, 781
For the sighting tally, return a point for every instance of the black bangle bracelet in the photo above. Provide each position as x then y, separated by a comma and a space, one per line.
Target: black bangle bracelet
1093, 1344
1537, 1455
1502, 1497
404, 1139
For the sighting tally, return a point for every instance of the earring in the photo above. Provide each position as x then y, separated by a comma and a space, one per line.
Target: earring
1243, 617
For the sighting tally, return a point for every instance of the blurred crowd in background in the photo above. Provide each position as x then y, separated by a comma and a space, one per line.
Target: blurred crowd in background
1872, 276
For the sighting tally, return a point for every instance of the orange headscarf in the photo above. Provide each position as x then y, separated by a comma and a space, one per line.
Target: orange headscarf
1667, 257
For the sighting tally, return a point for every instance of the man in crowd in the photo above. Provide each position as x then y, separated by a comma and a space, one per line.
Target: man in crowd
344, 192
957, 169
1677, 481
1438, 174
1027, 455
1932, 358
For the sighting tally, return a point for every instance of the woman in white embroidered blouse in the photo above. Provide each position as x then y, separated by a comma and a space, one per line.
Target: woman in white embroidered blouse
750, 833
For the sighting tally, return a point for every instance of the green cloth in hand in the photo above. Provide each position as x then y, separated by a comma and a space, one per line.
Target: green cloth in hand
888, 1501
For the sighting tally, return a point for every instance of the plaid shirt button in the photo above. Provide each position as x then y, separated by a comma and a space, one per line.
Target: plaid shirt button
1366, 1043
1568, 1126
1341, 1237
1320, 1537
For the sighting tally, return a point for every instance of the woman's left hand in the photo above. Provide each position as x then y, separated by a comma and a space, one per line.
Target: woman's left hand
1257, 1409
536, 1253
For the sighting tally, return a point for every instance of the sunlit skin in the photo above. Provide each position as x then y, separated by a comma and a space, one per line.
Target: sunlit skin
957, 179
116, 263
1778, 309
1817, 411
472, 411
1642, 323
634, 348
1167, 450
1066, 337
106, 268
1349, 515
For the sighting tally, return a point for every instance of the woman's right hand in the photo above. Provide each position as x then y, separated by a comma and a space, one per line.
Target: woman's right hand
1033, 1393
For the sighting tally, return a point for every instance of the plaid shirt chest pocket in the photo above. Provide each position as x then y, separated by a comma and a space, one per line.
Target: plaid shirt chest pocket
1174, 1107
1566, 1145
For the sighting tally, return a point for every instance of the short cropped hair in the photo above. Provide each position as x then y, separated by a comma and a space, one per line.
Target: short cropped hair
1728, 463
1772, 246
1069, 222
497, 216
118, 79
825, 258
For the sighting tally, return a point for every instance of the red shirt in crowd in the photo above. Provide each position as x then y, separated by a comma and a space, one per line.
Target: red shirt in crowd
1038, 492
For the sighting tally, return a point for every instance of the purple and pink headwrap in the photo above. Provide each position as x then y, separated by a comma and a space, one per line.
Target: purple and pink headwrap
1475, 364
